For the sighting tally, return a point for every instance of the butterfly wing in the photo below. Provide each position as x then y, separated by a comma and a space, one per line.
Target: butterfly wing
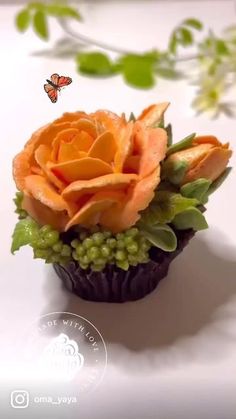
64, 81
51, 92
55, 78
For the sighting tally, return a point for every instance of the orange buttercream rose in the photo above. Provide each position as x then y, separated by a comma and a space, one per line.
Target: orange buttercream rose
92, 169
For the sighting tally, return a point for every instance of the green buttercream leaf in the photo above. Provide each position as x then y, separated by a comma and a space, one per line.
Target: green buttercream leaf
196, 189
132, 117
218, 182
18, 203
168, 129
190, 218
181, 145
159, 124
165, 206
25, 231
161, 236
174, 171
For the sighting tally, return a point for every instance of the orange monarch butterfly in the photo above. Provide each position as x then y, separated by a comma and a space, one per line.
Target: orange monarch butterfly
54, 86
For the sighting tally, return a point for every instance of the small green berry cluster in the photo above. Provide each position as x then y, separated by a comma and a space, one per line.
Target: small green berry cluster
47, 245
18, 203
91, 249
100, 248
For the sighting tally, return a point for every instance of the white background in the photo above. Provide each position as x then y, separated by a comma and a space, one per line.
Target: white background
171, 355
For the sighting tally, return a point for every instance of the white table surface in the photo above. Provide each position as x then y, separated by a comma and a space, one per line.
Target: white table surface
171, 355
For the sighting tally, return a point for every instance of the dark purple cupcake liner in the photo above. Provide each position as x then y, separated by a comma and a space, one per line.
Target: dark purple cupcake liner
115, 285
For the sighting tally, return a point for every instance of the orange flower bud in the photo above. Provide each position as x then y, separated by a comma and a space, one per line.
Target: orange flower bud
206, 158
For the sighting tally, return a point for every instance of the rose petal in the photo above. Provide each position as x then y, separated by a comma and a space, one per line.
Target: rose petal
207, 139
126, 214
68, 151
43, 214
66, 135
192, 156
81, 169
21, 168
153, 115
43, 191
151, 144
42, 156
82, 141
70, 117
36, 170
211, 166
89, 214
154, 152
132, 164
104, 147
110, 121
86, 125
25, 159
114, 181
125, 146
46, 135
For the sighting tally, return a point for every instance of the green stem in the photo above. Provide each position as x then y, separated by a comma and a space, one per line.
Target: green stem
91, 41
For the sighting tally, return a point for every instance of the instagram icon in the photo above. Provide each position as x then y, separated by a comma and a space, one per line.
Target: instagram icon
19, 399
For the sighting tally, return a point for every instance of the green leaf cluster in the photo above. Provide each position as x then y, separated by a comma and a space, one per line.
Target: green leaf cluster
18, 203
170, 208
197, 189
183, 35
161, 236
178, 207
45, 241
174, 171
190, 218
165, 206
36, 14
25, 232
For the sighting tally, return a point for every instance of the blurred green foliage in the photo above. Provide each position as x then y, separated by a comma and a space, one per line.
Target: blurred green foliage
36, 14
214, 66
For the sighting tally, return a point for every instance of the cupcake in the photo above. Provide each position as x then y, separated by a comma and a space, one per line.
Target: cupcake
110, 201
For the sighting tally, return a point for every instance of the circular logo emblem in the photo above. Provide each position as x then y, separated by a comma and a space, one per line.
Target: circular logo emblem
66, 348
